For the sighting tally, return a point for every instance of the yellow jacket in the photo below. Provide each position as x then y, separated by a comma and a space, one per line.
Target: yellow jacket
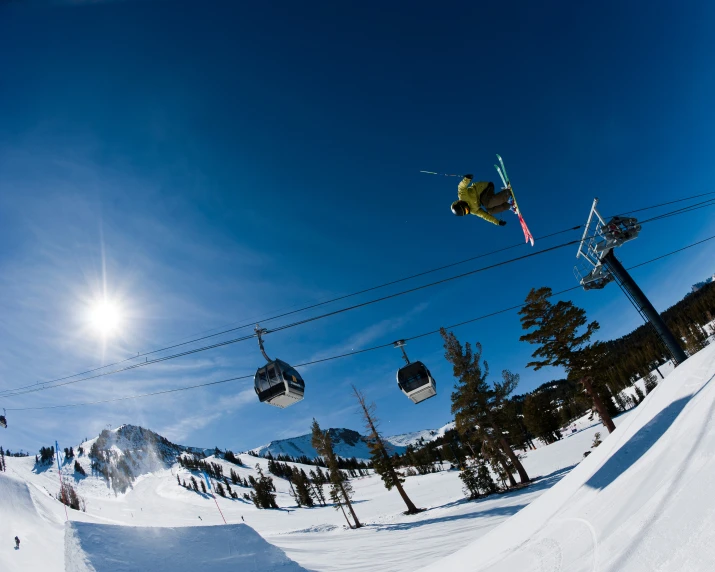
471, 193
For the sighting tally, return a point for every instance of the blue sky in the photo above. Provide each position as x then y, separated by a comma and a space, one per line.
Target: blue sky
209, 164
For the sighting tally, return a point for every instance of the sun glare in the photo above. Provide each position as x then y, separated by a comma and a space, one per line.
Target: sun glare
105, 317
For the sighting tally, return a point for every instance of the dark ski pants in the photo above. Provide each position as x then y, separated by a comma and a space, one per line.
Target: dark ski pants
495, 203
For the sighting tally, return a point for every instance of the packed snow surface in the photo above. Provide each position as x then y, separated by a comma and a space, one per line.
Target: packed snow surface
639, 502
111, 548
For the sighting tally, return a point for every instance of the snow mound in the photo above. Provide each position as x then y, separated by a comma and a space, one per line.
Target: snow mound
637, 503
111, 548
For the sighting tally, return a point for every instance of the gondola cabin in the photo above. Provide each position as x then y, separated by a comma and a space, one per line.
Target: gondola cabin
3, 421
416, 382
279, 384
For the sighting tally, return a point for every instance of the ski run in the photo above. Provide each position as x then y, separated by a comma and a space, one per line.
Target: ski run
641, 501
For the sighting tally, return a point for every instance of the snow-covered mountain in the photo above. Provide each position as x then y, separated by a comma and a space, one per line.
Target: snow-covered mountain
349, 443
419, 438
123, 454
346, 442
699, 285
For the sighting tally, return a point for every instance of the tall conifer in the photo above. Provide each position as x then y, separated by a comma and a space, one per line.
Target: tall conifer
554, 329
340, 489
381, 460
479, 407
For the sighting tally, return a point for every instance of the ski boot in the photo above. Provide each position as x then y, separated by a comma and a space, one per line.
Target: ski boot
511, 201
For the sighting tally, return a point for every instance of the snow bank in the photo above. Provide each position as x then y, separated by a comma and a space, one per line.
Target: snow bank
637, 503
109, 548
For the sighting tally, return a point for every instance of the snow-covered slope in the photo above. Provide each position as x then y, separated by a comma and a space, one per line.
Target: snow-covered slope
640, 502
25, 514
316, 538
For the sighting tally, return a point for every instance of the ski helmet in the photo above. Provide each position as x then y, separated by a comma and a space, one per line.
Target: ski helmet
460, 208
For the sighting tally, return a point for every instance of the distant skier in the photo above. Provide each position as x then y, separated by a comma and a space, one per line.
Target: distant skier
17, 543
480, 199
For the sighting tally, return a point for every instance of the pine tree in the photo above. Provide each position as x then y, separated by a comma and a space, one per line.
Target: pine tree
381, 460
639, 394
477, 407
554, 329
302, 488
263, 494
79, 469
68, 496
340, 491
203, 487
485, 482
540, 417
469, 478
650, 381
318, 479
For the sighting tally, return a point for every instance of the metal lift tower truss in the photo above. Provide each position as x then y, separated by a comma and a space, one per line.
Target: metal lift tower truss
597, 266
599, 238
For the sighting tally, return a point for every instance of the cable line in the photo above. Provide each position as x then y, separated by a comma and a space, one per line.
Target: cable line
343, 297
331, 358
34, 387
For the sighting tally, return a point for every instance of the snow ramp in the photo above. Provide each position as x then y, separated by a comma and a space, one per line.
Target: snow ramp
93, 547
641, 502
32, 520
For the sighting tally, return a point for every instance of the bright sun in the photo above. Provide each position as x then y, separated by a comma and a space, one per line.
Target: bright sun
105, 317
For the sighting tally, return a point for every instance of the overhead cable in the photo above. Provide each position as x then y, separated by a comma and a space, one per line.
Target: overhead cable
348, 354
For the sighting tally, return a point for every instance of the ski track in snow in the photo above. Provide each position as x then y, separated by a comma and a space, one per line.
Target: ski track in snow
640, 502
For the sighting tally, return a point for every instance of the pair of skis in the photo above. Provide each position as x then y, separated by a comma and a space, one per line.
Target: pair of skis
507, 184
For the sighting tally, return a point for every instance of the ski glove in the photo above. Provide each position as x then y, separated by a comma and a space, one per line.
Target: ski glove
502, 223
470, 176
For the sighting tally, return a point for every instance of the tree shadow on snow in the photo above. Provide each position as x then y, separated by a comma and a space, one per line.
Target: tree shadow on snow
638, 445
536, 484
39, 468
496, 511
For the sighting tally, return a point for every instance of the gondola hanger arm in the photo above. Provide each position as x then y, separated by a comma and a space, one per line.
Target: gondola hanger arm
401, 344
259, 332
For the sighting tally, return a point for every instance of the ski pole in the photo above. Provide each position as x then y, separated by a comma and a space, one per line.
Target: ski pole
441, 174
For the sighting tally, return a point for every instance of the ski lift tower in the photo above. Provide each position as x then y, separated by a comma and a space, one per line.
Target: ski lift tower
599, 265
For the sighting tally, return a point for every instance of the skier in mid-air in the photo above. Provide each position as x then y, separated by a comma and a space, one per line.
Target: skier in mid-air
480, 199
